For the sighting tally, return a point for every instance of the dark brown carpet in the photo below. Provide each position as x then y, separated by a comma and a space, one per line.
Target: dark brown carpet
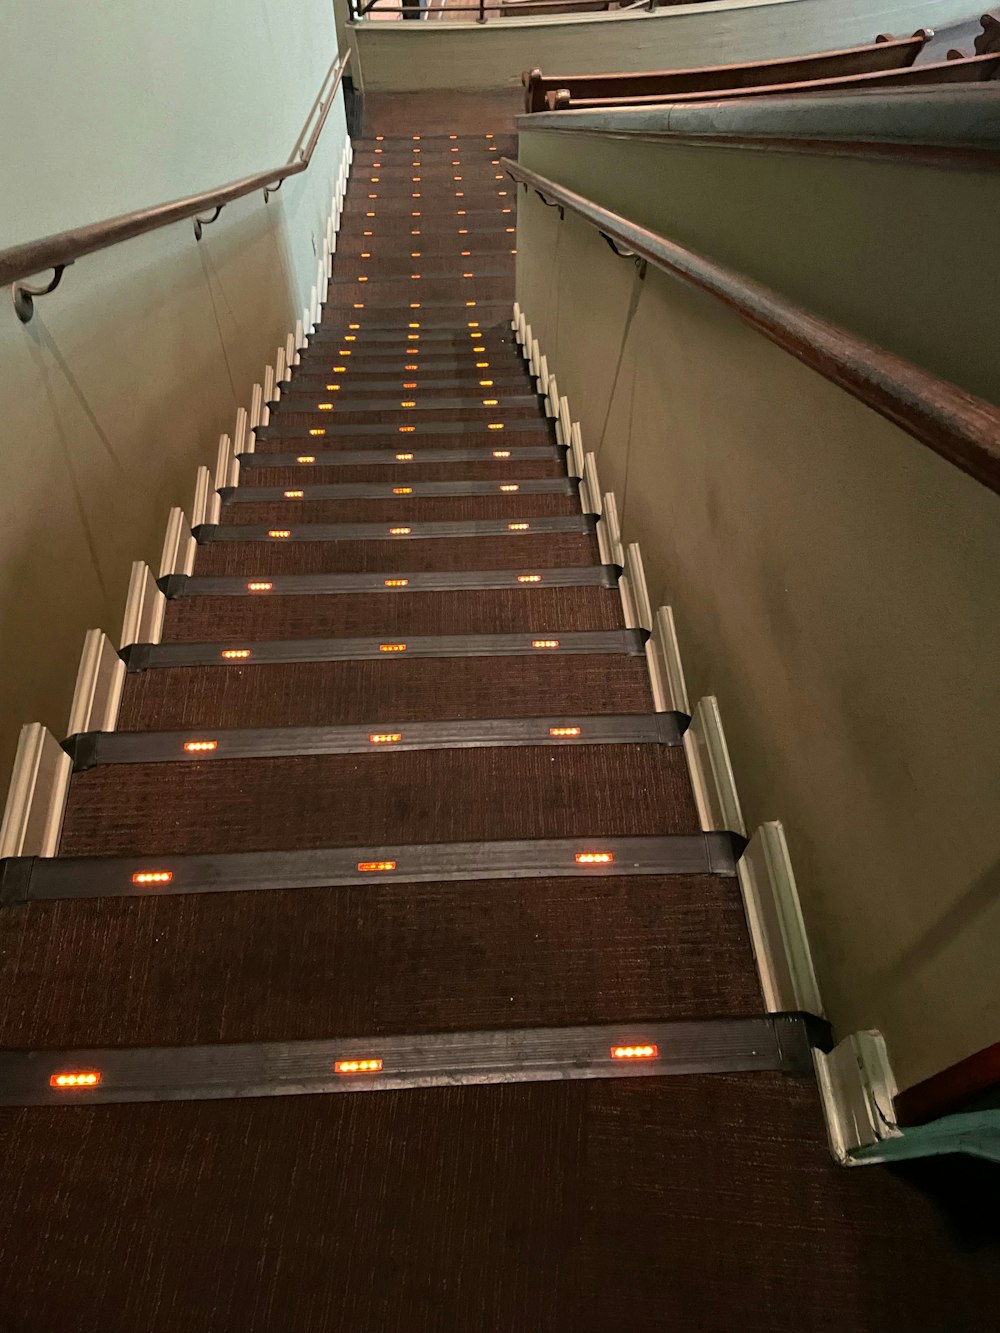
699, 1203
433, 509
490, 611
378, 798
486, 469
522, 551
289, 694
377, 959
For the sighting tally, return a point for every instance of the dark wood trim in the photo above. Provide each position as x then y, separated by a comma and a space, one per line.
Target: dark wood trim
21, 261
948, 1091
942, 73
957, 425
884, 53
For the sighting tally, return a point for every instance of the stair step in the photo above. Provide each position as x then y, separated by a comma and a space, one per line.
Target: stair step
227, 653
302, 403
389, 291
434, 434
398, 267
579, 576
406, 690
455, 326
440, 1059
474, 221
395, 200
524, 610
401, 527
379, 799
381, 384
493, 144
89, 749
395, 510
475, 412
651, 1171
310, 491
388, 959
534, 550
284, 470
481, 245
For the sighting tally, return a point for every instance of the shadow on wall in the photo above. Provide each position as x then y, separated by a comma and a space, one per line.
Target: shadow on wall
116, 392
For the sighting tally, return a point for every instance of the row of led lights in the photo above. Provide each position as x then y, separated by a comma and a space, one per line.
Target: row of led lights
244, 654
283, 534
507, 487
375, 738
91, 1078
267, 585
149, 878
401, 458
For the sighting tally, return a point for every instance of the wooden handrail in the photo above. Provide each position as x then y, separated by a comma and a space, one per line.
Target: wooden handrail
957, 425
63, 248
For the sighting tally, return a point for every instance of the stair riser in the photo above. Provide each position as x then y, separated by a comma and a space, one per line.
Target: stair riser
519, 551
331, 693
512, 611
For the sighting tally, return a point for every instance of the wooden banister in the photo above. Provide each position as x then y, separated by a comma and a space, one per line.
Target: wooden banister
62, 249
885, 53
957, 69
957, 425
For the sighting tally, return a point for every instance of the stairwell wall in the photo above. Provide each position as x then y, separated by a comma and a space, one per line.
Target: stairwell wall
834, 584
120, 386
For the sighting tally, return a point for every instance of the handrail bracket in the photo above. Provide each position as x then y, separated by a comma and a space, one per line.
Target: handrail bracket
201, 223
24, 296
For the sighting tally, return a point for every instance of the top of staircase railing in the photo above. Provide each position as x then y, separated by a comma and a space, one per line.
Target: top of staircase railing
957, 425
65, 247
360, 9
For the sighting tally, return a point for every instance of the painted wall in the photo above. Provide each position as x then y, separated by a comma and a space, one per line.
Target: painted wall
415, 56
891, 250
834, 584
121, 385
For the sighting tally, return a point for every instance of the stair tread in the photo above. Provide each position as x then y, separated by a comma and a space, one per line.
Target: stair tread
527, 550
378, 798
475, 611
328, 693
567, 1205
386, 958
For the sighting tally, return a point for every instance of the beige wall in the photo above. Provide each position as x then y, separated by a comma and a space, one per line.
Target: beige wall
121, 385
835, 585
417, 56
891, 250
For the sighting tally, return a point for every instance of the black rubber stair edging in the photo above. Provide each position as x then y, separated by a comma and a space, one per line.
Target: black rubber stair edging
147, 656
32, 879
627, 1049
411, 529
88, 749
387, 490
283, 585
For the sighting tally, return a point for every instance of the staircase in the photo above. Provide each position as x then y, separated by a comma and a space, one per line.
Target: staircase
390, 811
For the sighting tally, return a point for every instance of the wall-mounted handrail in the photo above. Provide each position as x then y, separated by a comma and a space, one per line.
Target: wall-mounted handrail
59, 251
957, 425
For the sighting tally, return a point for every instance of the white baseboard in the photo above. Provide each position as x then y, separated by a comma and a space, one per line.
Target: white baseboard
666, 671
857, 1088
179, 547
36, 798
777, 928
634, 592
206, 505
144, 607
711, 770
99, 682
